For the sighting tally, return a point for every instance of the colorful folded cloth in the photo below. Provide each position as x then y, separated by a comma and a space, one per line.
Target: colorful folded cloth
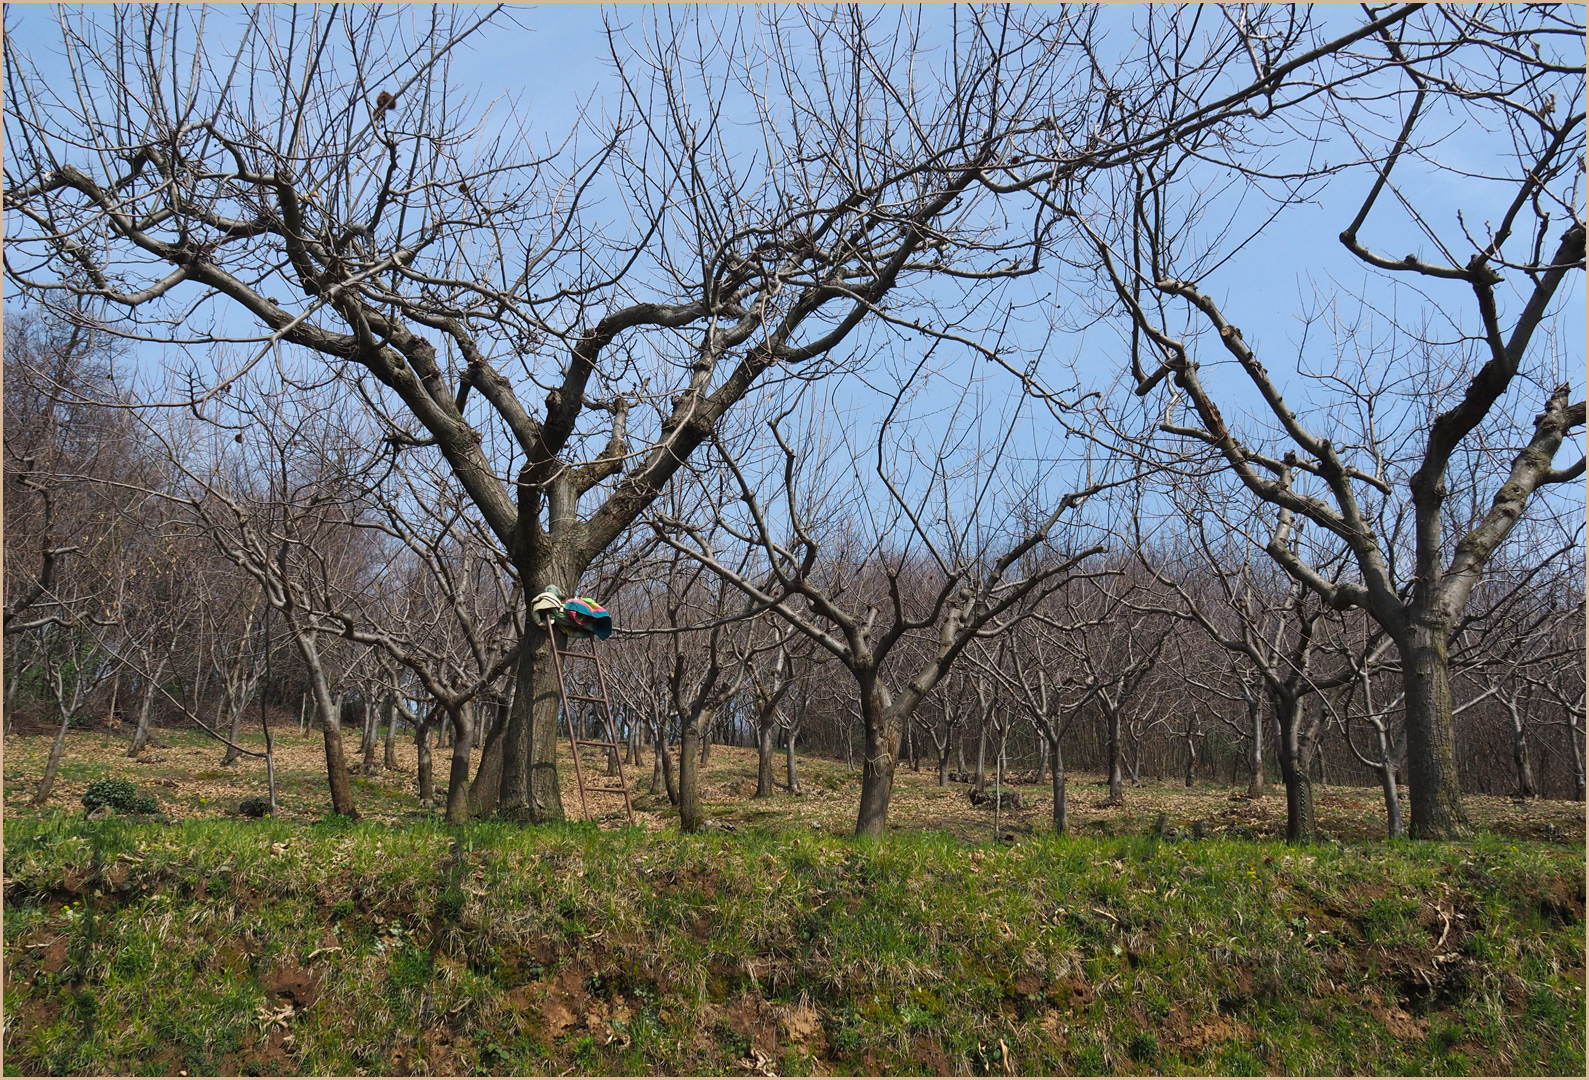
549, 600
589, 616
578, 617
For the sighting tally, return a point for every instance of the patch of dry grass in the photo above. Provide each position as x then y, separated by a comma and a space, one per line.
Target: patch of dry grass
187, 778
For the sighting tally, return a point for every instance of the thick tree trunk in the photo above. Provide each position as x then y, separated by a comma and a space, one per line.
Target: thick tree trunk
486, 788
1433, 784
1577, 763
877, 771
690, 813
1301, 826
765, 736
458, 776
943, 767
530, 790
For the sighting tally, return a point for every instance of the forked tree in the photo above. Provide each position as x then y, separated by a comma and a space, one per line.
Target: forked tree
1487, 285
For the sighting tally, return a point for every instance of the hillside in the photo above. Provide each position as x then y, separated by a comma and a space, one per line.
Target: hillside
225, 946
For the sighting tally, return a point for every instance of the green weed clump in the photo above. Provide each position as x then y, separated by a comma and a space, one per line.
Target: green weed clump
229, 946
119, 795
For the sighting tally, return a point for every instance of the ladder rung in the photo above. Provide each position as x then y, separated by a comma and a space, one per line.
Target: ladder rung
609, 790
579, 655
586, 697
591, 742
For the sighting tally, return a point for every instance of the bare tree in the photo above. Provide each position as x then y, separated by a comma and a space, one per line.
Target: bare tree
771, 671
1337, 468
869, 602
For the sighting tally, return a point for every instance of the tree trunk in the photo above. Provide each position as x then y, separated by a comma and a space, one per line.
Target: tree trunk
1191, 759
331, 723
670, 782
658, 752
427, 775
690, 746
530, 790
1387, 783
67, 710
1061, 822
877, 771
487, 786
389, 759
458, 776
115, 692
943, 767
1117, 788
1520, 758
232, 753
1577, 762
1256, 785
1301, 826
370, 736
765, 734
982, 756
1433, 784
792, 777
140, 738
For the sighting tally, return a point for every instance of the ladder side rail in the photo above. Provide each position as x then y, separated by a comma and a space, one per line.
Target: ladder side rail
568, 715
612, 731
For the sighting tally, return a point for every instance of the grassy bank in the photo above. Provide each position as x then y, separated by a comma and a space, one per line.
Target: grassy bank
223, 946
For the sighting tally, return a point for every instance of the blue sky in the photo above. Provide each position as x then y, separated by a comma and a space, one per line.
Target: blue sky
558, 61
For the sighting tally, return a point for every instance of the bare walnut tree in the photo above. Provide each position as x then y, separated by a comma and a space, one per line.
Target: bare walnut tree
1474, 358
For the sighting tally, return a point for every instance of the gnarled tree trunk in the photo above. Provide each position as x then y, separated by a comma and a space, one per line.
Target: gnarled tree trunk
1432, 779
877, 771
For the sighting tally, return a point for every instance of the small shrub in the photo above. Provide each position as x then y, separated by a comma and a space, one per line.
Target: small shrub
119, 795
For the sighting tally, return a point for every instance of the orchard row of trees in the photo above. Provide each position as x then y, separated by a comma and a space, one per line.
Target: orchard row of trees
187, 570
881, 374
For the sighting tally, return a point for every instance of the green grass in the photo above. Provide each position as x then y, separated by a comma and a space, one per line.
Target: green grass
135, 947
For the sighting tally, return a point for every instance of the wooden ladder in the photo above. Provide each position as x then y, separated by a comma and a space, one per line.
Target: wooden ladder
611, 745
